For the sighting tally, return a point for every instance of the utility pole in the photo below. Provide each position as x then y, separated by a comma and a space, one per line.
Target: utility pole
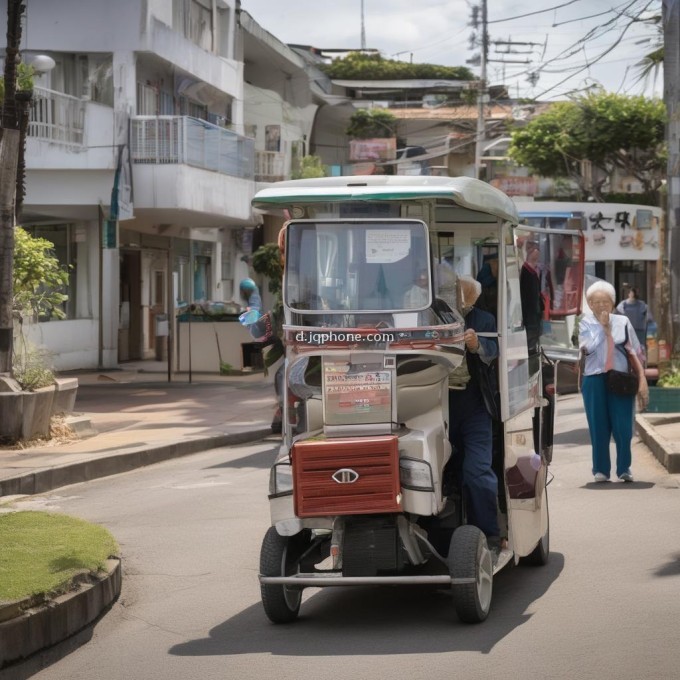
482, 94
363, 27
9, 157
671, 70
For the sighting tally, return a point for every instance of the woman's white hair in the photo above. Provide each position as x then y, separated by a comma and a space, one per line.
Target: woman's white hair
601, 287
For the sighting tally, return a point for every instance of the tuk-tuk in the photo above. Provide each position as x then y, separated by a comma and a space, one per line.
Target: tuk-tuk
372, 331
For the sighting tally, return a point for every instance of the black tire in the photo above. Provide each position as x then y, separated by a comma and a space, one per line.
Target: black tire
540, 555
278, 557
470, 559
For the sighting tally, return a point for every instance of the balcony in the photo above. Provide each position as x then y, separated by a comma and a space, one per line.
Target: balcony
57, 117
172, 140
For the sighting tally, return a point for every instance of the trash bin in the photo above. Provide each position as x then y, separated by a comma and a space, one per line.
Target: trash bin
162, 332
251, 354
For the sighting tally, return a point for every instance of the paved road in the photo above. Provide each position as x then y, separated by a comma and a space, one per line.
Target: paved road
606, 606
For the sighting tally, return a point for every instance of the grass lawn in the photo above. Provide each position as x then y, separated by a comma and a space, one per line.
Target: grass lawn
40, 552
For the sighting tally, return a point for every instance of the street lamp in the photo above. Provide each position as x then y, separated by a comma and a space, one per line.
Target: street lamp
41, 63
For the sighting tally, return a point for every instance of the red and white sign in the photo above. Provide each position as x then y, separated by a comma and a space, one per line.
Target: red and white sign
516, 186
379, 149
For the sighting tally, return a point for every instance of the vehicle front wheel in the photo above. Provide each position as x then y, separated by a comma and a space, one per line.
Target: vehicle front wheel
471, 569
279, 556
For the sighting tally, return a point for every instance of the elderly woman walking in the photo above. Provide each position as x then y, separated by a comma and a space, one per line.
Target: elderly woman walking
607, 341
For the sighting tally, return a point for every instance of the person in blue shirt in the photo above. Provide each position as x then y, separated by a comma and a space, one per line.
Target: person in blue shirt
250, 295
637, 313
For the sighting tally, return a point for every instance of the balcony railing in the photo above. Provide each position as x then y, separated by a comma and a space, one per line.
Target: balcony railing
190, 141
56, 117
269, 166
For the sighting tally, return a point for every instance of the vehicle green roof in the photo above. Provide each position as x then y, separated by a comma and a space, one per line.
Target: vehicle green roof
463, 191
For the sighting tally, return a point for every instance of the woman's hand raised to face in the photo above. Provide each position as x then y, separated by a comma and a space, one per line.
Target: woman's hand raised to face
601, 305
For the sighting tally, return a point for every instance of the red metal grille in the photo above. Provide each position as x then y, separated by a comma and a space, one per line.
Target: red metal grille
374, 459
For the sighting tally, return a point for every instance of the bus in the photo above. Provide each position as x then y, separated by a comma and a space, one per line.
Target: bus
623, 244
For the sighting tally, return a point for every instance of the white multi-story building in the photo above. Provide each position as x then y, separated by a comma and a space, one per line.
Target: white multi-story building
143, 96
142, 158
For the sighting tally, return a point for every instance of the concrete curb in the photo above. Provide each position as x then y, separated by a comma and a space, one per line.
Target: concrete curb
664, 450
44, 625
47, 479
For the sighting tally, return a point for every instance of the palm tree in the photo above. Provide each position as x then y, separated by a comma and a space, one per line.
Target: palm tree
650, 65
9, 157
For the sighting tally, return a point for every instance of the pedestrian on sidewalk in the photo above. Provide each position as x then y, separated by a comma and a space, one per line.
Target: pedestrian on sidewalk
605, 339
638, 314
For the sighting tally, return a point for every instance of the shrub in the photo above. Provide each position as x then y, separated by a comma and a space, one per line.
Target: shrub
372, 124
670, 377
31, 367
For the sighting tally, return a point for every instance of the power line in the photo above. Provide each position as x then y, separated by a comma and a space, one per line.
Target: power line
530, 14
593, 33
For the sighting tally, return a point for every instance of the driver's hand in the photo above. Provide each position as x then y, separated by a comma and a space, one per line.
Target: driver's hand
471, 340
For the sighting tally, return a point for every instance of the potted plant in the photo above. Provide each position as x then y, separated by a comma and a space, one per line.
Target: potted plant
664, 397
32, 394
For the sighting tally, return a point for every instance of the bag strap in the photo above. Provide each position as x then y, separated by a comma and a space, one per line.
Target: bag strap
625, 353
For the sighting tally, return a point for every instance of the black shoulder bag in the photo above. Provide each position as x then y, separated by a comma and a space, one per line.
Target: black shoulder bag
624, 383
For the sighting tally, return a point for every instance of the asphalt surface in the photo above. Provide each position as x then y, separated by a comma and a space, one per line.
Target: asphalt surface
134, 417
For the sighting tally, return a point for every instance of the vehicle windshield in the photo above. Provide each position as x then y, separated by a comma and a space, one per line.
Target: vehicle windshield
357, 266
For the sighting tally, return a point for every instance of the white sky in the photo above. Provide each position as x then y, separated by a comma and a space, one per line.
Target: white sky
437, 32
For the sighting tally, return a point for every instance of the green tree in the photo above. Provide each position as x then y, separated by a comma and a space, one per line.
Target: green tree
310, 168
365, 66
651, 64
267, 260
609, 130
39, 280
371, 124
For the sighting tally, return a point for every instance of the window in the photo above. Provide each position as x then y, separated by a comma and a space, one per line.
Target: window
101, 79
147, 100
194, 19
182, 272
158, 290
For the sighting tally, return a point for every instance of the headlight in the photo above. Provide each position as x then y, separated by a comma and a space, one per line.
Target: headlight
415, 474
280, 479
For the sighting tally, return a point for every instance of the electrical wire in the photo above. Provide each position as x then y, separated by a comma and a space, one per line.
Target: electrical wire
530, 14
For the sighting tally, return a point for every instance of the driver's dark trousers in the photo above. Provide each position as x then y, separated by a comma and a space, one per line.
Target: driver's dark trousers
470, 433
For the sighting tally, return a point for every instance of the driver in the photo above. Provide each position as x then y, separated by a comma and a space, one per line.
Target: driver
470, 423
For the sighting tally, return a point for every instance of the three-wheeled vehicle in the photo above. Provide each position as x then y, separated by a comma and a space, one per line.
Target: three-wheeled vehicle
372, 330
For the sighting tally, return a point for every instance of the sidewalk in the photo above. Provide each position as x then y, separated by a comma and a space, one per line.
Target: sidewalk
137, 418
127, 419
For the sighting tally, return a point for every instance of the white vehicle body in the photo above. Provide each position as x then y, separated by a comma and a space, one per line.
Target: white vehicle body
357, 491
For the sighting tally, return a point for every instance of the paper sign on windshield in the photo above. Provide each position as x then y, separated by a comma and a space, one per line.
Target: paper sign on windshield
384, 246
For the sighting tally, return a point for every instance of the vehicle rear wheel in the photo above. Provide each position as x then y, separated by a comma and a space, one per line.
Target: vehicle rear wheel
540, 555
279, 557
471, 569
